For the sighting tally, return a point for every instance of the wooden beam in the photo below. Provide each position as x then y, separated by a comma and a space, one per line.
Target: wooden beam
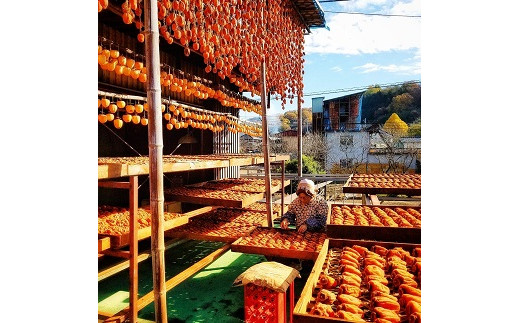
103, 244
148, 298
143, 256
374, 200
112, 184
305, 296
117, 253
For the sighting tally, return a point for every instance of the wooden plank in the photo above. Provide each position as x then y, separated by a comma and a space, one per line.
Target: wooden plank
200, 211
144, 233
120, 267
112, 184
374, 200
198, 236
103, 244
114, 170
142, 256
252, 198
375, 233
121, 316
369, 243
117, 253
383, 190
275, 252
306, 293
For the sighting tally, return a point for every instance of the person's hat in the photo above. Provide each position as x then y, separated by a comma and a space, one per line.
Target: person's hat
306, 186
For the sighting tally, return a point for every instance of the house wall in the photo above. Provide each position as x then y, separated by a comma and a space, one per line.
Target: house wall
359, 153
337, 151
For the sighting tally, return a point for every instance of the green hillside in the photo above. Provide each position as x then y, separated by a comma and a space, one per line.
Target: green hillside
379, 103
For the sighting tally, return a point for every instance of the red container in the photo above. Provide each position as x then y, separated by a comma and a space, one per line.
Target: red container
262, 304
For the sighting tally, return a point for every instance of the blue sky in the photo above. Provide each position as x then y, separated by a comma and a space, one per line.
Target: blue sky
360, 50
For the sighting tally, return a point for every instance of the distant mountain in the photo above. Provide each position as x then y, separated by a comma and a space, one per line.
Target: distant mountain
255, 119
273, 122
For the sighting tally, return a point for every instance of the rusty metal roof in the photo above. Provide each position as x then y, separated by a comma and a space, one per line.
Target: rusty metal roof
310, 12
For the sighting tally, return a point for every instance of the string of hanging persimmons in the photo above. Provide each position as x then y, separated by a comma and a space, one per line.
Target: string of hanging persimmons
178, 116
110, 59
113, 61
233, 34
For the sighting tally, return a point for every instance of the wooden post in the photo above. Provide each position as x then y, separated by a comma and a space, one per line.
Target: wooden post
300, 167
155, 147
283, 187
265, 137
133, 249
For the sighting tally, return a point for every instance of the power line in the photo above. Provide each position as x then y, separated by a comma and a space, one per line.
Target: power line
359, 88
371, 14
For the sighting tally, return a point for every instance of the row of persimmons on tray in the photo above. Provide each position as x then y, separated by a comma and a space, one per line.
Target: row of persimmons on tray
376, 284
115, 220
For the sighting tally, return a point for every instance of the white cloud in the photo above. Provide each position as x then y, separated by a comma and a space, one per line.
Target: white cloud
362, 4
362, 34
412, 69
336, 69
412, 8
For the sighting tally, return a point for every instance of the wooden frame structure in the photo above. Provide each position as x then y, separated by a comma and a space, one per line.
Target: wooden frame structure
108, 246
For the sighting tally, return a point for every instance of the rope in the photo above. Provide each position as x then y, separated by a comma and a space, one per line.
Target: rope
122, 140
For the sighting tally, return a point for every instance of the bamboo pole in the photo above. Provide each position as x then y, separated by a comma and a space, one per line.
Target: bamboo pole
300, 167
265, 137
283, 187
155, 147
133, 248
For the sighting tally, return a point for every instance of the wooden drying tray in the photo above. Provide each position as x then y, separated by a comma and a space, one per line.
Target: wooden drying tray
119, 241
375, 233
380, 190
277, 213
235, 215
130, 166
214, 185
207, 236
251, 198
274, 252
300, 313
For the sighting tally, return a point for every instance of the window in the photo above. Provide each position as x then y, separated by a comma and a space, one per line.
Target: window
346, 140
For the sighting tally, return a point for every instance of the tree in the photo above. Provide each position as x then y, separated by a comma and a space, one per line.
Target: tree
315, 146
393, 158
289, 120
285, 125
414, 130
309, 166
379, 103
307, 115
395, 126
401, 102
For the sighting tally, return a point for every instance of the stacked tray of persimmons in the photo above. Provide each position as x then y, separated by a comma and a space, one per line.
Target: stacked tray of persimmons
365, 215
281, 243
386, 181
374, 284
223, 224
240, 184
115, 221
